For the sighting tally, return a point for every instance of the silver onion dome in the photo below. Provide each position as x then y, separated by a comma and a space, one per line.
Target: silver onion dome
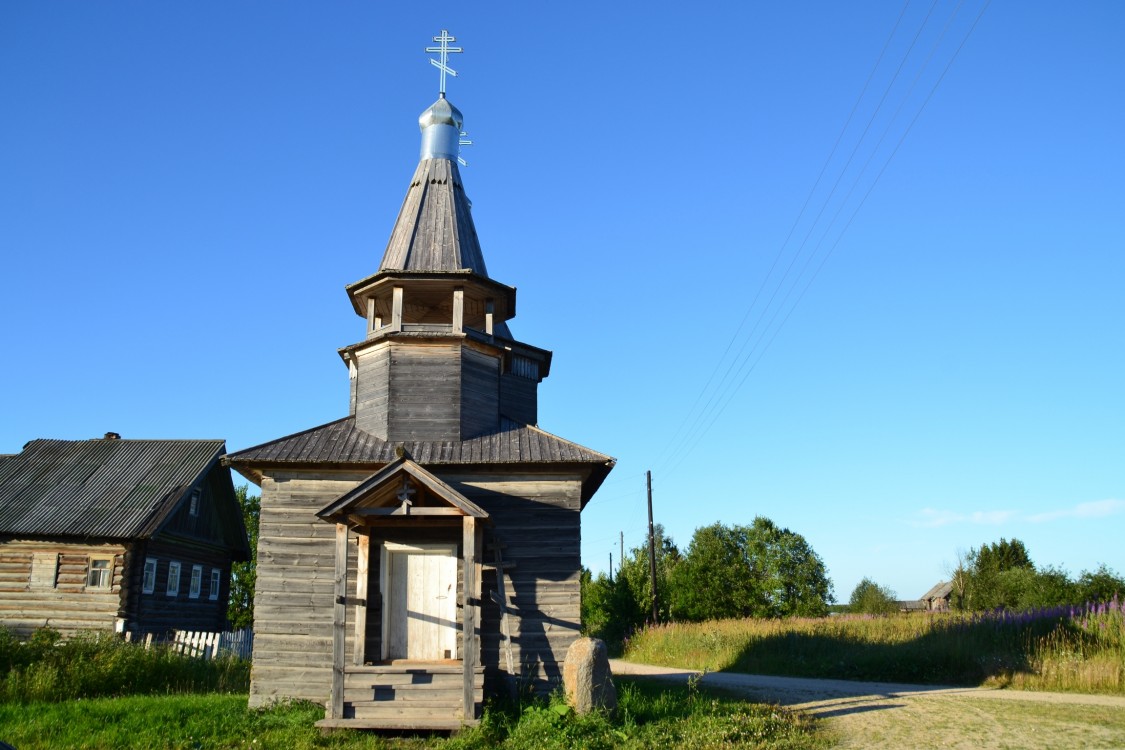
441, 130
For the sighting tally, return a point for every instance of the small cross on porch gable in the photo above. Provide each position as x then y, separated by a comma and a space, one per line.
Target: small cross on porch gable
405, 496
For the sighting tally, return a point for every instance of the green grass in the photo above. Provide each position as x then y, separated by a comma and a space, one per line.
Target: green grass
1032, 651
650, 716
47, 669
99, 692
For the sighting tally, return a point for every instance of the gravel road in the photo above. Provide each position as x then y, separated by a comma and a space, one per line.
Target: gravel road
874, 714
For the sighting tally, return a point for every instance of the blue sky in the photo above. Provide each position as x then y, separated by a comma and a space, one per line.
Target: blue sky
185, 189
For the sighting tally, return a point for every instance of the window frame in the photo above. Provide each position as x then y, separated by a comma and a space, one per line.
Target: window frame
216, 584
105, 574
173, 585
148, 575
195, 587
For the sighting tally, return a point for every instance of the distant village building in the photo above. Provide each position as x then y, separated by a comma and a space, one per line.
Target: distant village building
132, 536
937, 599
427, 544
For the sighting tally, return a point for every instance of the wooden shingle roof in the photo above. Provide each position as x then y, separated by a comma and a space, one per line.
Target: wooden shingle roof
434, 231
341, 444
117, 489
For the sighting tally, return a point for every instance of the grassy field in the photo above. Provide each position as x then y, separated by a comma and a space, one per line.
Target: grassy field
650, 716
100, 692
1078, 650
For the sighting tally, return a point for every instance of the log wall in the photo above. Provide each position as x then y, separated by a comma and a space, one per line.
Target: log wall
65, 603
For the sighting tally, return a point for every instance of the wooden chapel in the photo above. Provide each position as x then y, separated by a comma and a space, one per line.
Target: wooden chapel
424, 548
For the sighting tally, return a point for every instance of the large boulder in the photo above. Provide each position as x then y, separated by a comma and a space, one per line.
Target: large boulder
586, 677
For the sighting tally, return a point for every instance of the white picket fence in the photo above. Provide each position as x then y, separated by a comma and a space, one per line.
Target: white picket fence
203, 645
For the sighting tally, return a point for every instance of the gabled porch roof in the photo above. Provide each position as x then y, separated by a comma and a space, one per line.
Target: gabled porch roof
388, 492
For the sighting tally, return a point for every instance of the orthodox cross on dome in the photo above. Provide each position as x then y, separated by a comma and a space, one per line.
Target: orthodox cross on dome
444, 50
404, 494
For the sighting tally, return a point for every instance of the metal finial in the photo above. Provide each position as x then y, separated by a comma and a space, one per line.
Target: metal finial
464, 141
444, 50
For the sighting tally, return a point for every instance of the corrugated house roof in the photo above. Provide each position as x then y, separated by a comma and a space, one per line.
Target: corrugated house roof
105, 488
341, 444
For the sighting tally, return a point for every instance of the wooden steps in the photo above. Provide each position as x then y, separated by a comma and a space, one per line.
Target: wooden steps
400, 724
407, 695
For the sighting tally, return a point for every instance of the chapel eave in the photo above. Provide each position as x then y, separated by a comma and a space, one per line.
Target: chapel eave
341, 446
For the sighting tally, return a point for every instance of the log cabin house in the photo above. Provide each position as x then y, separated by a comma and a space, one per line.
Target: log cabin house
426, 545
127, 536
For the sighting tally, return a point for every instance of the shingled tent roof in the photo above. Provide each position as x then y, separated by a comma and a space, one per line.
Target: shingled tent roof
434, 231
106, 488
341, 444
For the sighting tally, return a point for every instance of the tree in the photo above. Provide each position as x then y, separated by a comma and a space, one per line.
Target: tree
243, 575
1100, 586
758, 570
613, 608
999, 575
870, 598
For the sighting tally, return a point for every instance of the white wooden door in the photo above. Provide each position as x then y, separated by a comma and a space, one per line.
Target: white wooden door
420, 602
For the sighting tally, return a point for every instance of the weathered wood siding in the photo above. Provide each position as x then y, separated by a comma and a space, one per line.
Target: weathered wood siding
293, 600
535, 516
536, 519
66, 603
425, 392
519, 398
480, 393
372, 389
206, 525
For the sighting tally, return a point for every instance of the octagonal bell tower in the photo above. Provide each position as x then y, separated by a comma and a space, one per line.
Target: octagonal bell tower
438, 361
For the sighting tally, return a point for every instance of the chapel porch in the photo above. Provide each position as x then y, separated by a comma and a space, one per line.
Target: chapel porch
415, 600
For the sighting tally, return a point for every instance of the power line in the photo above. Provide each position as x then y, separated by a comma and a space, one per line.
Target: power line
871, 188
781, 250
722, 396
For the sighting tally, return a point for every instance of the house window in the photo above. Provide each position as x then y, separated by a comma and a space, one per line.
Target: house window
173, 579
193, 505
148, 584
100, 574
196, 581
213, 593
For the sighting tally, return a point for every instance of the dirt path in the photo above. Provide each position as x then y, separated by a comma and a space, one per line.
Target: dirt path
871, 714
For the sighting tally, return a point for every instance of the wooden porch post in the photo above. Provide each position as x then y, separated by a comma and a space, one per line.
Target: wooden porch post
362, 566
469, 614
339, 615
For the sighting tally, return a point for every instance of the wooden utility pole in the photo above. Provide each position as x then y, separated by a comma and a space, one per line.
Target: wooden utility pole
652, 552
611, 566
621, 560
